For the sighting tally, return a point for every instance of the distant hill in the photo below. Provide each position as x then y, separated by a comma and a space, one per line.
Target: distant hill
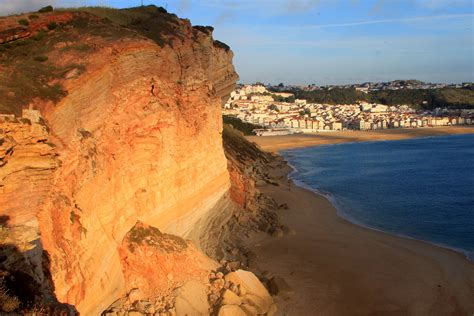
453, 98
426, 99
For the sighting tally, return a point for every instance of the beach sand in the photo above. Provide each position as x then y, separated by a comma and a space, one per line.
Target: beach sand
337, 268
277, 143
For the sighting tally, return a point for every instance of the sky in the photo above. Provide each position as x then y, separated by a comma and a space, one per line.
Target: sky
327, 41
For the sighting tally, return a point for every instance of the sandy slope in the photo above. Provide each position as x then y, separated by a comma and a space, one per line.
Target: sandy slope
276, 143
338, 268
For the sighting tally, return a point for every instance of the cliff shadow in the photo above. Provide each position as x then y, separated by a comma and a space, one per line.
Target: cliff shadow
26, 285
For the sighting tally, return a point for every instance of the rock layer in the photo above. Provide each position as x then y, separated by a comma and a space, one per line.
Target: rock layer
137, 138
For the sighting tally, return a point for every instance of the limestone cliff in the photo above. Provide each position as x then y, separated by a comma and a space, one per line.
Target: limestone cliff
130, 132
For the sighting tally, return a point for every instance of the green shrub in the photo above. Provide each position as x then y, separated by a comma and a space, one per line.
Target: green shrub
52, 25
39, 36
41, 58
24, 42
24, 22
46, 9
244, 127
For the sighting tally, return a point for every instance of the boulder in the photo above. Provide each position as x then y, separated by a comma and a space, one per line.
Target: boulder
233, 265
230, 298
249, 310
253, 292
231, 310
272, 311
262, 305
191, 299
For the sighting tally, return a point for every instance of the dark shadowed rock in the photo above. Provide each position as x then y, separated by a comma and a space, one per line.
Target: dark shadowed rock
278, 286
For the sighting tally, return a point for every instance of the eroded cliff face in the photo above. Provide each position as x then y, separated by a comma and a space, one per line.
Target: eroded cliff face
136, 138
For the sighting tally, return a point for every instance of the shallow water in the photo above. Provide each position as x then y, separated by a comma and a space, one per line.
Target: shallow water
418, 188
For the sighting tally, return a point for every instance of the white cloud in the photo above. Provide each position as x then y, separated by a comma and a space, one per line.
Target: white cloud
387, 21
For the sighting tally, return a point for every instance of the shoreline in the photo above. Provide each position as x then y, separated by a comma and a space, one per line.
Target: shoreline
286, 142
339, 212
348, 218
337, 267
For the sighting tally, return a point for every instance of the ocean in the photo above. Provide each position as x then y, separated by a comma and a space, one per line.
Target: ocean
418, 188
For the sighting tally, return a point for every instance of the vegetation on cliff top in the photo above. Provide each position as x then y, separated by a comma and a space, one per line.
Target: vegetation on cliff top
152, 236
34, 67
237, 124
149, 21
237, 147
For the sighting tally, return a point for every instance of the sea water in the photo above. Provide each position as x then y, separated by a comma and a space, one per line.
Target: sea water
419, 188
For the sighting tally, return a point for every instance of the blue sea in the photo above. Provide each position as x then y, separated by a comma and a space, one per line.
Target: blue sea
419, 188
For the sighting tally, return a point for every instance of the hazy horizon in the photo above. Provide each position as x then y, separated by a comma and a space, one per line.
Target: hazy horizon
327, 42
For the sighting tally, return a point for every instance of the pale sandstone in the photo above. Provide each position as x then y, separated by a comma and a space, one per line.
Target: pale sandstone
256, 295
230, 298
231, 310
191, 299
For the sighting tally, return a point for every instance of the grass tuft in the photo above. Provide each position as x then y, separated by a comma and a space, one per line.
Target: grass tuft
41, 58
52, 25
23, 22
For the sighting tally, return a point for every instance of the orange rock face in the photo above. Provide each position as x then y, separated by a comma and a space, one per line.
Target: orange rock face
11, 30
157, 263
137, 138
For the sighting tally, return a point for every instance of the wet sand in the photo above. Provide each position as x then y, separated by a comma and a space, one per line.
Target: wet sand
337, 268
277, 143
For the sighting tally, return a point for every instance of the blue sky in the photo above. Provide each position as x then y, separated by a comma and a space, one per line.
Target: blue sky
328, 41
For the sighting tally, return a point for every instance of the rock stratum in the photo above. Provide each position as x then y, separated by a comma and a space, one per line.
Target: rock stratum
112, 168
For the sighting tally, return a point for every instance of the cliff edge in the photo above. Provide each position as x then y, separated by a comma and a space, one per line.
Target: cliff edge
111, 125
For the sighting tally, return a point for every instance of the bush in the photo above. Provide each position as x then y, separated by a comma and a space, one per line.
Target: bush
39, 36
24, 22
46, 9
52, 25
245, 127
41, 58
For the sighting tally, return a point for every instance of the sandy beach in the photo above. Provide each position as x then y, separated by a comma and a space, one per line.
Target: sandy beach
337, 268
277, 143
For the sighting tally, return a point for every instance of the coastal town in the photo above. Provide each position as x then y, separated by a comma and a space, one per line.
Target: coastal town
280, 113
